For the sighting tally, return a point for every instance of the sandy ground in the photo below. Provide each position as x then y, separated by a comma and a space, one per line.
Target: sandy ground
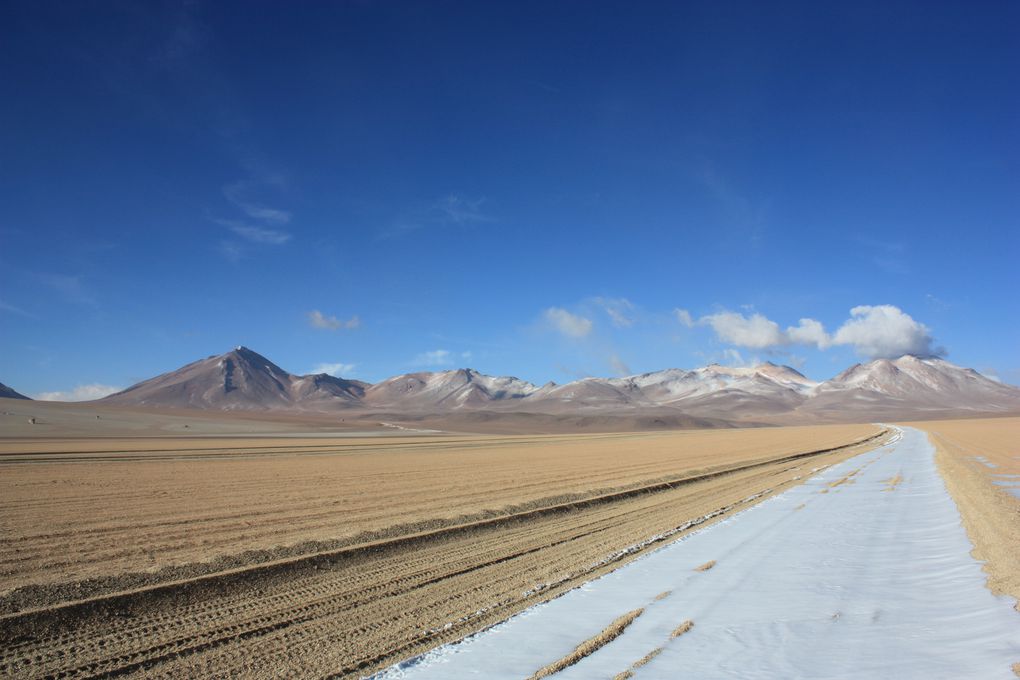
31, 420
980, 460
93, 509
861, 572
339, 557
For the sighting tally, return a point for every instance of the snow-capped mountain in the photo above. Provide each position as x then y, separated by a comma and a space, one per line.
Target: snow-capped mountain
915, 384
456, 389
882, 389
710, 390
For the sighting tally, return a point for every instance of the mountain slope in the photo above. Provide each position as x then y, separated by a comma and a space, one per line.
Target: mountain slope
445, 390
912, 385
240, 379
8, 393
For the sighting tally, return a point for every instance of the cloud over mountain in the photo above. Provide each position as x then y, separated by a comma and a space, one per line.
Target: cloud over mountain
317, 319
874, 331
571, 325
885, 331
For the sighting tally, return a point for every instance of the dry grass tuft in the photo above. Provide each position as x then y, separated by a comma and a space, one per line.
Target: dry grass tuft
681, 629
590, 646
706, 566
647, 657
663, 595
638, 664
893, 482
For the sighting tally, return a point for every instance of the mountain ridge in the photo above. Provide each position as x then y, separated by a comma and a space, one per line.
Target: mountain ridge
909, 385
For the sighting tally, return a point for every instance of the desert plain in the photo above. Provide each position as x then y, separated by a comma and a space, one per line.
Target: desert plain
240, 547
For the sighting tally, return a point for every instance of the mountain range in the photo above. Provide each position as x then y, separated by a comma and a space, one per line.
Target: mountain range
906, 387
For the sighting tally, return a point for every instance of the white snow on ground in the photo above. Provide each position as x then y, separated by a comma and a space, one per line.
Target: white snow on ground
867, 579
1010, 482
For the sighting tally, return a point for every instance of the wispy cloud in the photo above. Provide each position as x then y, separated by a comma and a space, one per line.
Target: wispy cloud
619, 366
744, 218
13, 309
261, 235
79, 393
70, 288
236, 192
459, 209
336, 370
570, 325
317, 319
436, 357
619, 310
936, 302
266, 231
889, 256
452, 209
230, 250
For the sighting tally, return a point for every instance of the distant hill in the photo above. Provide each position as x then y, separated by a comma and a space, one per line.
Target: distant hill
713, 395
8, 393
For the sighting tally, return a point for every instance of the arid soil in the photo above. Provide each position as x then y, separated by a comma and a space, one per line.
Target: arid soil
320, 558
980, 462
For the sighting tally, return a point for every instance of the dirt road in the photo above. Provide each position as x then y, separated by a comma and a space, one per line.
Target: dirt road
861, 572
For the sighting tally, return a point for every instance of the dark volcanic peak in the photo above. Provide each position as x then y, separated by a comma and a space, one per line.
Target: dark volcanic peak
8, 393
240, 380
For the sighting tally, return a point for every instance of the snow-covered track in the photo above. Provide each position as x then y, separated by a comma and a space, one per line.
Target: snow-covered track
864, 571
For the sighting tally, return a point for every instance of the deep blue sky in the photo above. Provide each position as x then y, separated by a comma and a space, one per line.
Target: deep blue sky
180, 178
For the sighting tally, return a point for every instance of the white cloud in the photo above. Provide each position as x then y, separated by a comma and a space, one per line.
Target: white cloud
809, 332
754, 331
336, 370
436, 357
873, 331
319, 320
884, 331
79, 393
618, 310
260, 235
568, 324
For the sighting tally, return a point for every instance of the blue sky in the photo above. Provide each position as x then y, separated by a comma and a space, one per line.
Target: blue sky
547, 190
